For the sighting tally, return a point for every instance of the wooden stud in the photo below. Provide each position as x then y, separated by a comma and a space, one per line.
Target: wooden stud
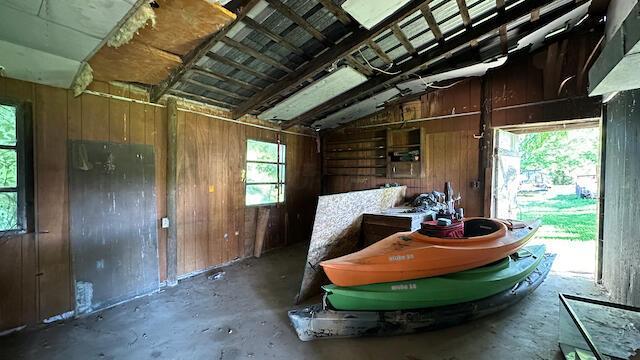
358, 65
261, 230
504, 41
431, 21
294, 17
172, 194
225, 60
403, 39
214, 89
464, 12
223, 77
200, 98
278, 39
256, 54
378, 50
337, 11
535, 15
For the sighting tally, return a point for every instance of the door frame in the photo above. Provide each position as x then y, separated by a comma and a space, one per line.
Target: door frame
599, 122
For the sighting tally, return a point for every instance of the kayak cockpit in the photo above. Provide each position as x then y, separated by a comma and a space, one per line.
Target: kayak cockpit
475, 230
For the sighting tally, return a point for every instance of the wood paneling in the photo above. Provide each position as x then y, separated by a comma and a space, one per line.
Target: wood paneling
36, 267
450, 150
215, 227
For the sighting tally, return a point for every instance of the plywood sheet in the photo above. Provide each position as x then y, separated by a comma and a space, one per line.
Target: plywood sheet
133, 62
336, 229
183, 25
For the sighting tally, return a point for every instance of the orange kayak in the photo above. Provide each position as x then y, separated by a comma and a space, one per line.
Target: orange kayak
411, 255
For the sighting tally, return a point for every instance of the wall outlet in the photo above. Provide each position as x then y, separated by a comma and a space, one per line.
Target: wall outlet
165, 223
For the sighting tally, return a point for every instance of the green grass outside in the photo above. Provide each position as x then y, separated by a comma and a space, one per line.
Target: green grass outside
564, 217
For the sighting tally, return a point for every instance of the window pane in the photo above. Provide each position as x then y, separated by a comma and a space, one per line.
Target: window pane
8, 168
281, 193
262, 151
261, 173
283, 153
283, 175
7, 125
261, 194
8, 211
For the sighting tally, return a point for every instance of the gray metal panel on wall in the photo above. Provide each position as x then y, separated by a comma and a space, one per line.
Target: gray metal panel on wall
113, 233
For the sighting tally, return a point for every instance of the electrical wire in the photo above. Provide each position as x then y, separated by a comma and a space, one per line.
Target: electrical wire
375, 68
430, 85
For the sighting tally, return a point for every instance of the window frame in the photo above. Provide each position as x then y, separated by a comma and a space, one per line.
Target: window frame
280, 181
24, 154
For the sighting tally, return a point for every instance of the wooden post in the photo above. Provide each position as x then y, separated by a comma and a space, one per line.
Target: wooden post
601, 180
261, 230
172, 162
486, 143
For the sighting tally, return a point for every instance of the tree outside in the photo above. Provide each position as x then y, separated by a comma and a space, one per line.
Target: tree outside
569, 220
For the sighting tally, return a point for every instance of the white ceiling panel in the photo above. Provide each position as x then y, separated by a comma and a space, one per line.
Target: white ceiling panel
34, 32
93, 17
357, 110
330, 86
29, 6
27, 64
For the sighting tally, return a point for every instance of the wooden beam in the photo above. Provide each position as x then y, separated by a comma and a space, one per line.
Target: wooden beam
358, 65
242, 67
535, 15
214, 89
278, 39
293, 16
256, 54
189, 60
345, 47
223, 77
337, 11
490, 23
403, 39
172, 193
504, 41
464, 12
200, 98
431, 21
378, 50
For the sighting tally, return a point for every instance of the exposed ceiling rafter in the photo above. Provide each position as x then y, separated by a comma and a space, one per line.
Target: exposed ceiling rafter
349, 44
490, 24
241, 8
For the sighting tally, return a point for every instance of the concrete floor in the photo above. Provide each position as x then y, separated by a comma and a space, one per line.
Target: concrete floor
244, 315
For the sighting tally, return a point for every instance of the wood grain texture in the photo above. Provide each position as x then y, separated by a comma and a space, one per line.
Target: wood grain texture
217, 152
59, 116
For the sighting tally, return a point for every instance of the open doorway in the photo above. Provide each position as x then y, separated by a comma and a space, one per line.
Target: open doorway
552, 173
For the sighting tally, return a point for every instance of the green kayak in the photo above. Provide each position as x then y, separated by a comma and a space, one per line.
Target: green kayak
449, 289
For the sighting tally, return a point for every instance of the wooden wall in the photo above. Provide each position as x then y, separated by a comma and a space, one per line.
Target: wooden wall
545, 87
451, 152
36, 279
214, 225
621, 228
36, 268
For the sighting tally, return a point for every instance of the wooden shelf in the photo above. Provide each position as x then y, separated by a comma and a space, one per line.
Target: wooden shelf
355, 141
404, 146
354, 150
381, 157
358, 167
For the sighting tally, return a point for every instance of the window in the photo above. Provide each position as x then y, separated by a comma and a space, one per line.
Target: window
12, 169
265, 173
